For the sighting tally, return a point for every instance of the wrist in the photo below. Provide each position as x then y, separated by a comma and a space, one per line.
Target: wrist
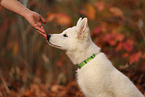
25, 12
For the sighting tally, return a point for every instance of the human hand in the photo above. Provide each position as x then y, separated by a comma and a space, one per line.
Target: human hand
32, 17
35, 20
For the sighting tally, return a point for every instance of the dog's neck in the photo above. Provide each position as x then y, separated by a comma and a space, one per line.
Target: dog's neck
78, 56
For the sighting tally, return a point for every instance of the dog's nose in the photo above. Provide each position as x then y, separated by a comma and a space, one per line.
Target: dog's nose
48, 37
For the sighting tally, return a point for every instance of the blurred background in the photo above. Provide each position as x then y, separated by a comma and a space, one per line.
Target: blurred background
29, 67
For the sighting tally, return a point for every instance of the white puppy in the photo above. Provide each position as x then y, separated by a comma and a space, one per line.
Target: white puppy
96, 75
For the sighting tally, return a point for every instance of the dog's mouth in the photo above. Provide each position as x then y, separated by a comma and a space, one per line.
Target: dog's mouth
56, 46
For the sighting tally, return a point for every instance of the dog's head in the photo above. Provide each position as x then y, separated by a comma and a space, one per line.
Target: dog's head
72, 38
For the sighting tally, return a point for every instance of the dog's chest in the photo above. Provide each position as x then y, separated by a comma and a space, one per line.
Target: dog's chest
94, 77
90, 78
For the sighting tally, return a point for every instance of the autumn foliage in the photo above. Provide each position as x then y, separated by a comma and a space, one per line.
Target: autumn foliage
29, 67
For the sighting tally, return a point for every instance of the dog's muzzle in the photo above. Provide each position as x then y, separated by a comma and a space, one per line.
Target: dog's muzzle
48, 37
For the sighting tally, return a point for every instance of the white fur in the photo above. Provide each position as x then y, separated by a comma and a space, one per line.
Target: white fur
98, 78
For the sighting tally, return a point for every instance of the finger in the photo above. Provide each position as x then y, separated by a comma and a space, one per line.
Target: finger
43, 30
40, 32
40, 28
44, 35
42, 20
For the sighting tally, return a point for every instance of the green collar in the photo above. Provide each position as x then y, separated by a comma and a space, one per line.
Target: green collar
86, 61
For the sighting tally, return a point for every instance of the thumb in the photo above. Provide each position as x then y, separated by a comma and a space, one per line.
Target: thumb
42, 20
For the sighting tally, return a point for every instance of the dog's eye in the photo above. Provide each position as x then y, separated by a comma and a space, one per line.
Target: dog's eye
65, 35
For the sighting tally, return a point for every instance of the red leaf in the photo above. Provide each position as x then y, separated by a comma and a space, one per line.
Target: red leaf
97, 30
135, 57
59, 63
104, 27
110, 39
125, 55
50, 17
63, 19
128, 45
116, 11
119, 46
38, 72
90, 11
119, 37
100, 5
143, 56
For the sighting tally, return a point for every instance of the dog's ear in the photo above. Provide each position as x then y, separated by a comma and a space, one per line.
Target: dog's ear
82, 26
78, 22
